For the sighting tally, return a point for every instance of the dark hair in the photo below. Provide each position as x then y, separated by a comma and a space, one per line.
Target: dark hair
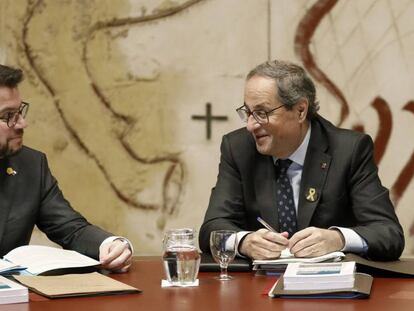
10, 77
292, 83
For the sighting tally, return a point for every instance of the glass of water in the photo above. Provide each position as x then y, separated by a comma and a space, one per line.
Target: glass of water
181, 257
223, 248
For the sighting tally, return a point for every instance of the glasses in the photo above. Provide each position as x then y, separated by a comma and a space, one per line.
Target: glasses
261, 116
11, 118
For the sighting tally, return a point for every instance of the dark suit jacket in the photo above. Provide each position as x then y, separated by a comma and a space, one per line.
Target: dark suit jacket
349, 191
32, 197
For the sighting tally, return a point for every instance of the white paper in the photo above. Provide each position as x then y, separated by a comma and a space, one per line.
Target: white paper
286, 257
7, 265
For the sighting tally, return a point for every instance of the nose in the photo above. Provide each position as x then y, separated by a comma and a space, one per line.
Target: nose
252, 124
21, 122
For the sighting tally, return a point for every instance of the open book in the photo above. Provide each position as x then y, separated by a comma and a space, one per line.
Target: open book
38, 259
286, 257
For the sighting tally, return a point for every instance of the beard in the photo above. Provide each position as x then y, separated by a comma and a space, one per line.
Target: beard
6, 151
10, 147
3, 151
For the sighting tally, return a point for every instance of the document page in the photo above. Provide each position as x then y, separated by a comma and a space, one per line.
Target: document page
286, 257
7, 266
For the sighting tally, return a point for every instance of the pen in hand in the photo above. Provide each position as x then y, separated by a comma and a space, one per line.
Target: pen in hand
265, 224
285, 252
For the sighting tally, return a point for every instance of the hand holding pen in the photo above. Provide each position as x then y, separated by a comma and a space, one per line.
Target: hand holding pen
264, 244
265, 224
269, 227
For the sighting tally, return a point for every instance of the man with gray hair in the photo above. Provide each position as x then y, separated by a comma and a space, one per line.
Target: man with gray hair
30, 195
315, 184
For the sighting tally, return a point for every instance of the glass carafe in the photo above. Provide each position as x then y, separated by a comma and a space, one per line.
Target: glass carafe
181, 257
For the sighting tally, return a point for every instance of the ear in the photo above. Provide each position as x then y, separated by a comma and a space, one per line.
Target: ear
302, 109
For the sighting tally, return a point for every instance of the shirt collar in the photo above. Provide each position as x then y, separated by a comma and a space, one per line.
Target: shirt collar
298, 156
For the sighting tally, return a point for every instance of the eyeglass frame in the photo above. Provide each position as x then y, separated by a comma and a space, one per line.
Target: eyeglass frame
15, 115
248, 113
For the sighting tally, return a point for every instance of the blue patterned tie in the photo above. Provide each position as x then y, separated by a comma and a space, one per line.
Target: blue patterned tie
284, 197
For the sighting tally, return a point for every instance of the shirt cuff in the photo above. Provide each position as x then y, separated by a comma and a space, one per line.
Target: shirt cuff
240, 236
115, 237
354, 243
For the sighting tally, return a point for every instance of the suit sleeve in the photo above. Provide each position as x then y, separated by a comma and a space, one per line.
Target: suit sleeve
61, 223
226, 207
377, 222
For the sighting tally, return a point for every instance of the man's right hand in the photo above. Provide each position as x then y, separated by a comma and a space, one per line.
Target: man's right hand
264, 244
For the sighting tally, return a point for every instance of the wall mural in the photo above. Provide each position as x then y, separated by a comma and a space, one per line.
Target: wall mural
131, 98
303, 38
166, 170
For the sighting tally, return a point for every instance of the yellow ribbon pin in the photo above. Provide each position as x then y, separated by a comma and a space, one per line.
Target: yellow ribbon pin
11, 171
312, 196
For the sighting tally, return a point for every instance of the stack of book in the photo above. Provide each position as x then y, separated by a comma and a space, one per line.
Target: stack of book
12, 292
319, 276
322, 280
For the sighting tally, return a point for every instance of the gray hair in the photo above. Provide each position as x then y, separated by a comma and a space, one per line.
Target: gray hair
10, 77
292, 84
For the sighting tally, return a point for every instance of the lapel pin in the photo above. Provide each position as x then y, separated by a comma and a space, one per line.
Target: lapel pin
11, 171
311, 196
323, 165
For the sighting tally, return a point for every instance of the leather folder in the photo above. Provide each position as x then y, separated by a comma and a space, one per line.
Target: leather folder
404, 267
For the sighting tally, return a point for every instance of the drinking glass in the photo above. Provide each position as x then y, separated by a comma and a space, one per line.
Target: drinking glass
223, 248
181, 257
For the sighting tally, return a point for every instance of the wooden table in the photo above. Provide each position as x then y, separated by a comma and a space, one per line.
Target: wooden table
245, 292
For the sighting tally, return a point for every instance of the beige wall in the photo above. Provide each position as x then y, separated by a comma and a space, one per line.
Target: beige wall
113, 85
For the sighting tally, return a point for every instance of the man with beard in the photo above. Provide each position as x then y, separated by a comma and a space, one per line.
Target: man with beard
30, 195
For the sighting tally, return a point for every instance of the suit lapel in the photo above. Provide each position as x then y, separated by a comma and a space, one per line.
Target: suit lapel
265, 189
315, 170
8, 188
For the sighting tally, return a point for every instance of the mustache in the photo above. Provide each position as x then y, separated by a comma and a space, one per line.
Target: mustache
19, 132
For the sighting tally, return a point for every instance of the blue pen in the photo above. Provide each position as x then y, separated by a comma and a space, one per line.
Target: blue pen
265, 224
